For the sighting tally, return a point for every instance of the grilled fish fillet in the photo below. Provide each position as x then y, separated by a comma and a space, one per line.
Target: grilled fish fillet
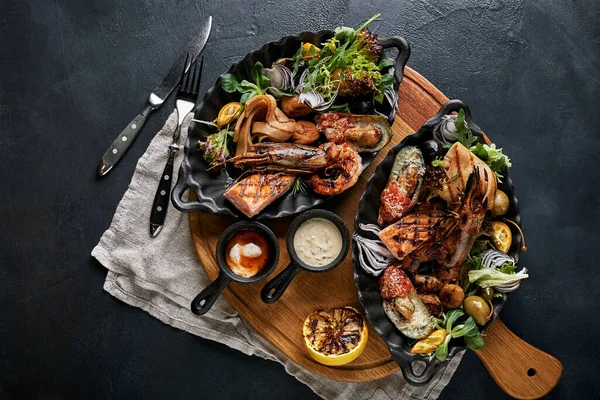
252, 194
418, 233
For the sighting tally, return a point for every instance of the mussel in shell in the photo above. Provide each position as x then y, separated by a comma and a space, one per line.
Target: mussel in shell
402, 304
404, 185
364, 133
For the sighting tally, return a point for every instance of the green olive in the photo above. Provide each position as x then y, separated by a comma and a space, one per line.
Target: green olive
500, 203
488, 293
477, 308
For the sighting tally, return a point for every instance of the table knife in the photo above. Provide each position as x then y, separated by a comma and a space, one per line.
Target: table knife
122, 143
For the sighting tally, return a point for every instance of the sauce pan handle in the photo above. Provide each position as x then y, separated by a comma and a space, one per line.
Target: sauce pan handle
206, 298
274, 289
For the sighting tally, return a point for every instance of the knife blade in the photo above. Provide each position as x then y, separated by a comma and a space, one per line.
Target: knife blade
164, 88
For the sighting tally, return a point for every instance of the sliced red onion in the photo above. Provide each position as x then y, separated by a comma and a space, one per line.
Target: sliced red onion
510, 287
495, 259
299, 88
312, 98
315, 100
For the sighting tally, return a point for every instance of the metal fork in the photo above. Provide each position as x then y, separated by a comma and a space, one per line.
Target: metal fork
187, 94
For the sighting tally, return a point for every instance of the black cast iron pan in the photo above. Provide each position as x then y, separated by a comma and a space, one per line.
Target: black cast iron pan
368, 286
209, 186
274, 289
207, 297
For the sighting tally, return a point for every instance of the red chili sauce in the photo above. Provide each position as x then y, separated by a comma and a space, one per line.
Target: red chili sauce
247, 253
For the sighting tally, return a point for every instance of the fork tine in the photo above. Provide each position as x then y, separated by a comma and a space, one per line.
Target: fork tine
185, 67
197, 76
192, 75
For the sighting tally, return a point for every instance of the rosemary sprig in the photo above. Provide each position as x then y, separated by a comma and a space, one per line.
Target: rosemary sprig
299, 187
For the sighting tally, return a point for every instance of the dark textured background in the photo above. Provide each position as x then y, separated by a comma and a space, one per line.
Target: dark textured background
73, 73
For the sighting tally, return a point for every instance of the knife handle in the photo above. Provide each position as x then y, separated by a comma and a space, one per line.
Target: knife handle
122, 143
162, 196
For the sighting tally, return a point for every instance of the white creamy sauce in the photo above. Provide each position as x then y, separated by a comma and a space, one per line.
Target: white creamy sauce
318, 242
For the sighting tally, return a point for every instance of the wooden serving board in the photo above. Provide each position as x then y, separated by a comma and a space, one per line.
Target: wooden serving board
281, 323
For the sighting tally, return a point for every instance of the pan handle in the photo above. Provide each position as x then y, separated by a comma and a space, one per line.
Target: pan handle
431, 368
206, 298
403, 54
179, 190
274, 289
448, 108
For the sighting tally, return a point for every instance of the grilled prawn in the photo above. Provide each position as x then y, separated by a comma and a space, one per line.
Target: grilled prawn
284, 157
344, 166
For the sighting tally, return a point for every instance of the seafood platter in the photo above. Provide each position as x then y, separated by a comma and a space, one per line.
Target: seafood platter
434, 231
292, 124
435, 259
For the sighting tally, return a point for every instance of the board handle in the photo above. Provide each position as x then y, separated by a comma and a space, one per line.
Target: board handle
521, 370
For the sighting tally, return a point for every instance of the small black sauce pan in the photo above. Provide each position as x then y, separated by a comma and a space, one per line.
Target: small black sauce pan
205, 299
274, 289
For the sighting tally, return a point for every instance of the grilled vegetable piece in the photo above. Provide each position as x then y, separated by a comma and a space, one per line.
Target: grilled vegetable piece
403, 305
255, 192
364, 133
404, 185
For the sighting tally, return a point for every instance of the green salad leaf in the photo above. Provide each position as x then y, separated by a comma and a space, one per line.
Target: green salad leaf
489, 154
248, 89
463, 133
492, 156
488, 277
474, 342
468, 330
348, 63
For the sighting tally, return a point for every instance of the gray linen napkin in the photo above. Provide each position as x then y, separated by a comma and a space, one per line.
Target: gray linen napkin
162, 275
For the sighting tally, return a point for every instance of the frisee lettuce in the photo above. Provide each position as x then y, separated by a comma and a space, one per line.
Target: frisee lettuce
489, 277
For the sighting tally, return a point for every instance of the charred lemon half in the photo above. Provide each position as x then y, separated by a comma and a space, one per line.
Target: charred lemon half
335, 337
